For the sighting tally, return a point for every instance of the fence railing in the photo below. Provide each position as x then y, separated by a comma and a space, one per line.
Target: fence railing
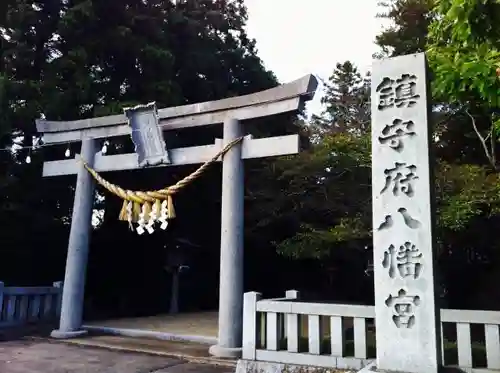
343, 336
471, 339
29, 305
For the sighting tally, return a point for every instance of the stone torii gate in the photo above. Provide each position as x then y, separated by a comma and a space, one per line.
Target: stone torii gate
146, 126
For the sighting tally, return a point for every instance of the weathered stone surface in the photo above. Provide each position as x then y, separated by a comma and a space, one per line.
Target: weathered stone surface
248, 366
76, 261
408, 338
231, 248
253, 105
195, 368
43, 357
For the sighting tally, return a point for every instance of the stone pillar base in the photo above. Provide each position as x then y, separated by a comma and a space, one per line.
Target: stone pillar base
225, 352
61, 334
252, 366
372, 368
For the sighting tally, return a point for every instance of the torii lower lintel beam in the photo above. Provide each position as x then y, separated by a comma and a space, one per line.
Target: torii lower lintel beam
251, 148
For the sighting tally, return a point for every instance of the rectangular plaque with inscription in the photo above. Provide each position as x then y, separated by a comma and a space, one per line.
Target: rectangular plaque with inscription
146, 135
405, 306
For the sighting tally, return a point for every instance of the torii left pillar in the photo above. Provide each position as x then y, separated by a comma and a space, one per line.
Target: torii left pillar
70, 324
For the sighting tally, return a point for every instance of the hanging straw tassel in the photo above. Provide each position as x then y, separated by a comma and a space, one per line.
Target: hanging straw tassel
123, 212
147, 210
170, 207
136, 210
158, 206
133, 200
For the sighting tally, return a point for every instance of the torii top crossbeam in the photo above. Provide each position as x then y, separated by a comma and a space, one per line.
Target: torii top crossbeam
284, 98
288, 97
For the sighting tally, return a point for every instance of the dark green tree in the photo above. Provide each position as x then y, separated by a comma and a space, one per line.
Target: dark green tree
72, 59
322, 197
346, 101
409, 21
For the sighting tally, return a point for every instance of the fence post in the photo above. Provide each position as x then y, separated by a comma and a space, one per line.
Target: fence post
10, 312
2, 286
23, 308
250, 324
59, 286
290, 321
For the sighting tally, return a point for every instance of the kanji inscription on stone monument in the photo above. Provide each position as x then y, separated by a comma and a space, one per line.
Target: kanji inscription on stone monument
405, 260
393, 134
405, 303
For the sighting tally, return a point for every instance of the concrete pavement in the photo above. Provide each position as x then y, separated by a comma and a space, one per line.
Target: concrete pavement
24, 356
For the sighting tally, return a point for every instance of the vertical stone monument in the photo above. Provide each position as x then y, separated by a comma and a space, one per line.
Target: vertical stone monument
407, 316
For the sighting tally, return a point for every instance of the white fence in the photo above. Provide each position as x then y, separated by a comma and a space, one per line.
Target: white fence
29, 305
343, 336
485, 350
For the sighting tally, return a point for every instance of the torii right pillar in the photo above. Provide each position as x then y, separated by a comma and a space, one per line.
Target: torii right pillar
231, 247
408, 333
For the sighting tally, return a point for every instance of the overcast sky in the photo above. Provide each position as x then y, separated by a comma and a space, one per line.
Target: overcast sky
298, 37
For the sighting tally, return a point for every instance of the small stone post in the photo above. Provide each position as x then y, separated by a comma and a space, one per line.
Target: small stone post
59, 286
231, 255
250, 324
407, 316
76, 262
174, 297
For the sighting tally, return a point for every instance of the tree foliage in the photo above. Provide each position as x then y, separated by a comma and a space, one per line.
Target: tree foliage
463, 49
69, 59
464, 56
73, 59
409, 22
346, 102
322, 197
